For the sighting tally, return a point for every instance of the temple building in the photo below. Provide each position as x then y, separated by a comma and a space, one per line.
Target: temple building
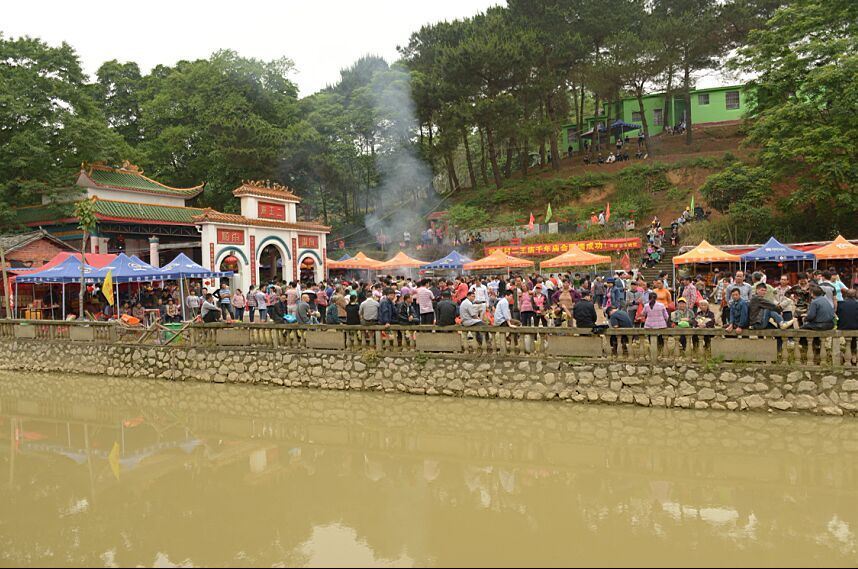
143, 217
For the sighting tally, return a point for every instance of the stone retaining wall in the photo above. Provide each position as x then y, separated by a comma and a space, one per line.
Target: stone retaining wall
725, 387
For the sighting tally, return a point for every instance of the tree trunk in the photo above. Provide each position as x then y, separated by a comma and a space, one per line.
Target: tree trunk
639, 96
555, 154
507, 167
82, 274
608, 108
324, 203
483, 157
596, 137
451, 171
542, 152
580, 117
574, 100
667, 115
493, 157
525, 159
687, 87
471, 174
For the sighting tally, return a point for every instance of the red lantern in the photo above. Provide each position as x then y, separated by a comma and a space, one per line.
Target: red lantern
230, 263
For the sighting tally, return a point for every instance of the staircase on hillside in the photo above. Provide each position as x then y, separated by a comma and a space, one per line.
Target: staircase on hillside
664, 265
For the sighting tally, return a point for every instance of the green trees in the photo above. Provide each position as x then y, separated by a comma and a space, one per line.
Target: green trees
804, 119
49, 123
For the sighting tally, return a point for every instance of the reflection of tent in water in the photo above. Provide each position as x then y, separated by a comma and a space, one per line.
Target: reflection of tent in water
373, 469
127, 462
431, 470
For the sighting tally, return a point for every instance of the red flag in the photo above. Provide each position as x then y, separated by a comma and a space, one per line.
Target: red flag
626, 263
530, 224
608, 212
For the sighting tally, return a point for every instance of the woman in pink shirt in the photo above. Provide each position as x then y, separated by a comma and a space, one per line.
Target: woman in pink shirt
525, 306
655, 313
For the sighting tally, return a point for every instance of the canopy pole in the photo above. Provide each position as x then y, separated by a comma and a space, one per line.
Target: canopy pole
182, 296
51, 293
64, 301
16, 300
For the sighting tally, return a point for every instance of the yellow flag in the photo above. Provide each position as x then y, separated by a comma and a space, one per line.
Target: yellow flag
107, 288
113, 459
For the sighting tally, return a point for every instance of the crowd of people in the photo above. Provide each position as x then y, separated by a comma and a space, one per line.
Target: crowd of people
819, 301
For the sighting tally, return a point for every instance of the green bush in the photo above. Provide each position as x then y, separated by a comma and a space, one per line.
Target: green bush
735, 183
675, 194
467, 217
514, 195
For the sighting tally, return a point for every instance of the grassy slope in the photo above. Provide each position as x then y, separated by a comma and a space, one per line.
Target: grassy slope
686, 168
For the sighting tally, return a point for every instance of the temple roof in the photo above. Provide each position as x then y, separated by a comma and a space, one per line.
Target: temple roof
212, 216
265, 189
130, 178
110, 210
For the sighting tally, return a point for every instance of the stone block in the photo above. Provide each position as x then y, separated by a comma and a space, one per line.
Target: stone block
233, 337
25, 331
745, 349
441, 342
575, 346
325, 339
81, 333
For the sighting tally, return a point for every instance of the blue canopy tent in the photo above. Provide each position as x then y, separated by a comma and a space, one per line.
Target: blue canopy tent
345, 257
453, 261
125, 269
621, 127
69, 271
181, 268
775, 251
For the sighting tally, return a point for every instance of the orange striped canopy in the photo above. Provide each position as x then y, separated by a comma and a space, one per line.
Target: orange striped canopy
840, 248
575, 257
498, 260
706, 253
402, 261
359, 261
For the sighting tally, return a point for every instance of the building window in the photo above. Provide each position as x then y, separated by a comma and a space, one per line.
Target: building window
658, 117
732, 100
703, 99
636, 116
571, 135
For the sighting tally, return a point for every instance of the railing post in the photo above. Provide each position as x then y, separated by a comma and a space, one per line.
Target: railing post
653, 348
835, 351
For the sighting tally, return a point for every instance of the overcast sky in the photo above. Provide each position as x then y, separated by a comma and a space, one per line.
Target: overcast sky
321, 36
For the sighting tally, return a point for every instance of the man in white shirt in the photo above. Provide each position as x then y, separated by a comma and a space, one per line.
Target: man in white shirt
481, 292
502, 311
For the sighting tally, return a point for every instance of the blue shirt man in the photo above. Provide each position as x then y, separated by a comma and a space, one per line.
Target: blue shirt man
502, 311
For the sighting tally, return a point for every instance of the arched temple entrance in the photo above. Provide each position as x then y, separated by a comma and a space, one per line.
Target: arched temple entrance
308, 270
271, 264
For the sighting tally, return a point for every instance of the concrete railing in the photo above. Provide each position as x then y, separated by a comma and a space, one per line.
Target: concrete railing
835, 348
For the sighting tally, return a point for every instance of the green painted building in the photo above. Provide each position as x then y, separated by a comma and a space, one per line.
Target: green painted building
714, 105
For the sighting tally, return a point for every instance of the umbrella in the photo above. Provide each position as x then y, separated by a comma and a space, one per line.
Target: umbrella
840, 248
402, 261
574, 257
498, 260
454, 260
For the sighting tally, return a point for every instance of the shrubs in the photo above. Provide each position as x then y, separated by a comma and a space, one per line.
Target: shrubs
736, 183
467, 217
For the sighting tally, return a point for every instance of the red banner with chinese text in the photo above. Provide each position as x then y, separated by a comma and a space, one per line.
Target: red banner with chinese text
230, 236
272, 211
548, 249
308, 241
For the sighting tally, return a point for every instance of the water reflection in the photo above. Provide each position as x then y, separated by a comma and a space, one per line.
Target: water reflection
115, 472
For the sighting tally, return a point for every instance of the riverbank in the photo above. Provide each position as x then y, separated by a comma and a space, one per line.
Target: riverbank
707, 385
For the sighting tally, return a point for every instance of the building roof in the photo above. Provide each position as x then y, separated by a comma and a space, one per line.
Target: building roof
109, 210
266, 189
130, 178
212, 216
132, 212
11, 243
